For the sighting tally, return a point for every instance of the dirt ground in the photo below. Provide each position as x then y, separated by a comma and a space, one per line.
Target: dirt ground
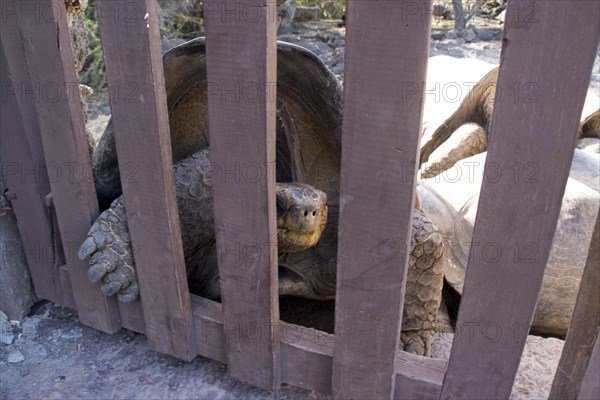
51, 355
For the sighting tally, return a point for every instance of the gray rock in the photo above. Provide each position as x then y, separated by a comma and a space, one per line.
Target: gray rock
7, 335
469, 35
485, 34
441, 11
15, 356
472, 28
452, 35
438, 36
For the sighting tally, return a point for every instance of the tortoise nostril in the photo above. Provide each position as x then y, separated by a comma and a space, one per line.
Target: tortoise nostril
314, 213
305, 213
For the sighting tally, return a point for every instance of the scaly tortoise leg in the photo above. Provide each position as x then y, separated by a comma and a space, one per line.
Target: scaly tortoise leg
108, 245
108, 248
423, 287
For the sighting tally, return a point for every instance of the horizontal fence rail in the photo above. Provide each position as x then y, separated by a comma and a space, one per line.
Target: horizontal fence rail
387, 49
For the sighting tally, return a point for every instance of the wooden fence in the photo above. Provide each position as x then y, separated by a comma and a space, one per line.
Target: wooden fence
552, 43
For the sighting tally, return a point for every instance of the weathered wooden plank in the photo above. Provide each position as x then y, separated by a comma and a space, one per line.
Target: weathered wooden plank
590, 387
386, 56
306, 357
575, 361
131, 314
23, 163
47, 49
540, 95
241, 49
131, 44
68, 299
208, 322
418, 377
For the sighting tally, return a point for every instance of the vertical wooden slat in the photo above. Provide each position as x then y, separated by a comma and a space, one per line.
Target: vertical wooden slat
23, 164
386, 59
583, 331
590, 386
47, 48
241, 51
541, 89
131, 44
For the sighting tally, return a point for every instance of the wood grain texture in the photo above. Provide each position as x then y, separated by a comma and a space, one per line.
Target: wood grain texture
23, 163
241, 51
131, 44
387, 44
46, 44
68, 300
132, 316
210, 335
590, 386
582, 337
530, 149
307, 355
418, 377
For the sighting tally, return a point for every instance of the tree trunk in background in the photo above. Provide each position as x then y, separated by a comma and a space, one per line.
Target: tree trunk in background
459, 15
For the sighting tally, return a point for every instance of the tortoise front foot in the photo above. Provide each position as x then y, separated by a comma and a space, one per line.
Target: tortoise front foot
418, 342
423, 286
108, 249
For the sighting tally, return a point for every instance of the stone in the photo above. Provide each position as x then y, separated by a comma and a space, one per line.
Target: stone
485, 34
469, 36
452, 35
15, 356
7, 335
438, 36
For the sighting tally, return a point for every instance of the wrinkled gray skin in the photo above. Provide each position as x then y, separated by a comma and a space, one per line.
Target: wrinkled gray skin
308, 156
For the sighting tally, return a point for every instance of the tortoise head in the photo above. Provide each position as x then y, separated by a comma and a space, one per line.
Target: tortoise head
301, 216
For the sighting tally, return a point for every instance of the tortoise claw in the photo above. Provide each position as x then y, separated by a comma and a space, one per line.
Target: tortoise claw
130, 293
111, 288
108, 250
97, 272
87, 248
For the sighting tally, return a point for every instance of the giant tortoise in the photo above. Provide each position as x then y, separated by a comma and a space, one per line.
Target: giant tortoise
308, 151
453, 157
